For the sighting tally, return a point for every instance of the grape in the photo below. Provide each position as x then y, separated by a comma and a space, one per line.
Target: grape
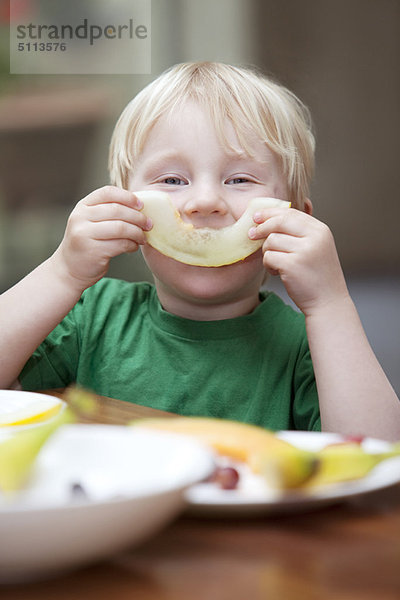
356, 439
226, 477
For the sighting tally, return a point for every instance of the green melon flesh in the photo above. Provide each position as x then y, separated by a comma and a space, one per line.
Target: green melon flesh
205, 246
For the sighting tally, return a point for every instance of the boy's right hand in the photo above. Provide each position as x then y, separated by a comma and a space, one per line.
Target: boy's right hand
104, 224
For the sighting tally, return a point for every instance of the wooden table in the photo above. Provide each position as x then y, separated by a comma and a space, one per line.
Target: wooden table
350, 551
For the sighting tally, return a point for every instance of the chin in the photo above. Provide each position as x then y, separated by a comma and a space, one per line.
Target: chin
205, 284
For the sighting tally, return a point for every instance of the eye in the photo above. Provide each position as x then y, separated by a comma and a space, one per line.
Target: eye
235, 180
173, 181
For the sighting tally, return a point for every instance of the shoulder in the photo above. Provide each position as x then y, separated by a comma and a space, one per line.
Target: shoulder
280, 315
283, 327
109, 291
109, 298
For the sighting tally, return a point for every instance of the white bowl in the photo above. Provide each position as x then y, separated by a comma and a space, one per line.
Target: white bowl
13, 401
133, 482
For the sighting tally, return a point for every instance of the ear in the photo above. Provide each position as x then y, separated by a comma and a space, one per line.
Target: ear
308, 207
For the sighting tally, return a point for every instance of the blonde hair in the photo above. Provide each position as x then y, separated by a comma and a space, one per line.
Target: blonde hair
253, 103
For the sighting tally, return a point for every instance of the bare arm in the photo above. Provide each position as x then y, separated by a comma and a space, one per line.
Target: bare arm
354, 394
28, 312
104, 224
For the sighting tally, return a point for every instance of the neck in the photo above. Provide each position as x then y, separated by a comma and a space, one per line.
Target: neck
209, 309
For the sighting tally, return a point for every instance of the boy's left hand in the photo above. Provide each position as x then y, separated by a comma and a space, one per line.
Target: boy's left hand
302, 251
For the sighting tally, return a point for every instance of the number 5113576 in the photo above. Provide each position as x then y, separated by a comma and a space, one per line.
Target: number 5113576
42, 46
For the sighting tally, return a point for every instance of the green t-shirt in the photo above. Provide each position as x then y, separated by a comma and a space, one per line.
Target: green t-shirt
119, 342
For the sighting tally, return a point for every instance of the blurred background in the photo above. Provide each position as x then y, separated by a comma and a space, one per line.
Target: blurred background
340, 56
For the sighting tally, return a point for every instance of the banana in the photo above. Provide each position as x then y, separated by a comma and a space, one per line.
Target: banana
286, 468
283, 465
347, 461
18, 452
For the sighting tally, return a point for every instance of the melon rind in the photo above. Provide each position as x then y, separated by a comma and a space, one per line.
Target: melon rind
205, 246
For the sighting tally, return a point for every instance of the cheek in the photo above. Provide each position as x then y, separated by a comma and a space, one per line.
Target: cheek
156, 261
281, 191
165, 268
238, 207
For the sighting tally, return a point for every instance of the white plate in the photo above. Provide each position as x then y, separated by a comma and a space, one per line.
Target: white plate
134, 483
253, 496
14, 401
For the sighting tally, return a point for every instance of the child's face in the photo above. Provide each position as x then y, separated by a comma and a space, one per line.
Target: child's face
211, 187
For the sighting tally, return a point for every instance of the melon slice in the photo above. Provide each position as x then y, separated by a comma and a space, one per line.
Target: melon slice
205, 246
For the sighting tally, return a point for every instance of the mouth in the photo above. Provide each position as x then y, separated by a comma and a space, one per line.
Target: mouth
255, 256
203, 246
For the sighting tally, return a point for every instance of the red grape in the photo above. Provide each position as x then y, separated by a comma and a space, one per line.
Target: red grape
226, 477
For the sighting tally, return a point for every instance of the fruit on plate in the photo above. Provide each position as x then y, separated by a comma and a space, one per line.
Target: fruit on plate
283, 465
19, 451
347, 461
35, 409
205, 246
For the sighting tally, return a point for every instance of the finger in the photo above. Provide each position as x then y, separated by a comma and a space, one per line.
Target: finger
274, 261
113, 211
281, 242
266, 213
290, 222
110, 193
111, 248
117, 230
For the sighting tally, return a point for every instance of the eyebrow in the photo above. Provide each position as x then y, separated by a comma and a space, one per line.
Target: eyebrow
162, 161
158, 160
161, 158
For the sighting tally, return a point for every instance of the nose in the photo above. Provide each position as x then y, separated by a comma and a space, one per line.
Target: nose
204, 201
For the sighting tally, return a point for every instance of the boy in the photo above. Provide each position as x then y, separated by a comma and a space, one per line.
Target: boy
204, 340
